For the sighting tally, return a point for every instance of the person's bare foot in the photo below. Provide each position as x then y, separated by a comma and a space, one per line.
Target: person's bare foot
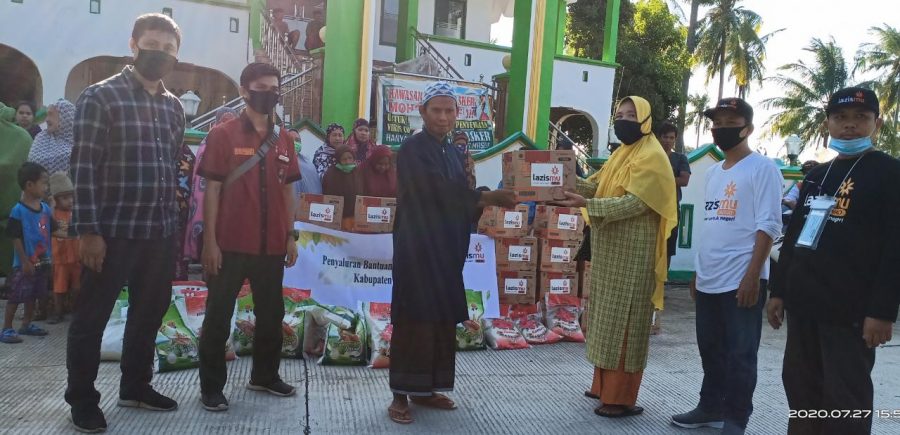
436, 400
399, 412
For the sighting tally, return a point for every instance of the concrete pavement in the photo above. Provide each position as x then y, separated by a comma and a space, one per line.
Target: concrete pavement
538, 390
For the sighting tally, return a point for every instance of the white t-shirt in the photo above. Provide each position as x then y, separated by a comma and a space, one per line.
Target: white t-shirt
740, 201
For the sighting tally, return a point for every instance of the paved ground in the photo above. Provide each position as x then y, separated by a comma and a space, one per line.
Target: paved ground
526, 391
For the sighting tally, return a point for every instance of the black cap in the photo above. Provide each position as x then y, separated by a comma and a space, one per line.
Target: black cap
735, 105
847, 97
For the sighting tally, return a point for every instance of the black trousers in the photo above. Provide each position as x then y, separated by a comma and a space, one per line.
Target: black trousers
265, 273
147, 266
827, 367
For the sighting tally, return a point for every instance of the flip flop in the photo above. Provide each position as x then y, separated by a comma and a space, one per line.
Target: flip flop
591, 395
400, 417
627, 412
436, 400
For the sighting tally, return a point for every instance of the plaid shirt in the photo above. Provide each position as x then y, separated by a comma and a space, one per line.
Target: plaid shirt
125, 159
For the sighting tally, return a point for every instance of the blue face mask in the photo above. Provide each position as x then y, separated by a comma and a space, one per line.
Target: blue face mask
851, 147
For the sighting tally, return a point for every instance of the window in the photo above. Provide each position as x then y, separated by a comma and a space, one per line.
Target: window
17, 1
450, 18
467, 60
390, 12
167, 12
95, 6
234, 25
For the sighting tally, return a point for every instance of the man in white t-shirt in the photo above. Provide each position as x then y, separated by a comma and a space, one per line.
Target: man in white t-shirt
742, 218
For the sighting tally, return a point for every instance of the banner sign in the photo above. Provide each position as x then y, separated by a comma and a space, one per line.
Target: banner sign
344, 268
398, 99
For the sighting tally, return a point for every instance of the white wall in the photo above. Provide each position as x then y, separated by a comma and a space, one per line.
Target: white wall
59, 34
593, 97
484, 61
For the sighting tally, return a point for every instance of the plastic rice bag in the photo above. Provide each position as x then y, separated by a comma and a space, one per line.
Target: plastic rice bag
295, 303
501, 334
467, 338
378, 322
244, 322
528, 320
176, 346
562, 316
345, 346
190, 300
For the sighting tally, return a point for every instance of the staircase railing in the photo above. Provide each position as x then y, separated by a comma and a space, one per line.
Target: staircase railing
301, 79
425, 47
581, 156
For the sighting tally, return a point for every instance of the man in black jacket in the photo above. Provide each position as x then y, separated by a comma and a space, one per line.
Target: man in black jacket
838, 275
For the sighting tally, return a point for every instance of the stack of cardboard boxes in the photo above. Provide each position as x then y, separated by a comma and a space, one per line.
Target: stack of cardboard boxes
533, 263
372, 215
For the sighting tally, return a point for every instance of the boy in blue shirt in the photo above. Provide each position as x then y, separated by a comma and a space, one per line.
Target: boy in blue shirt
29, 227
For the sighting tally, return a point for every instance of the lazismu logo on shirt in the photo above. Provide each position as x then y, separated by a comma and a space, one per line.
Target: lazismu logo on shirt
726, 209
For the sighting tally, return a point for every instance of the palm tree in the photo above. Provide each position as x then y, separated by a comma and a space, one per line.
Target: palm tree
720, 35
686, 75
695, 117
883, 57
802, 107
746, 54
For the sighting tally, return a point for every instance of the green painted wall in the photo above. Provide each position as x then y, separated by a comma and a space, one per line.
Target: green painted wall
550, 43
518, 71
611, 32
340, 78
255, 25
561, 27
409, 17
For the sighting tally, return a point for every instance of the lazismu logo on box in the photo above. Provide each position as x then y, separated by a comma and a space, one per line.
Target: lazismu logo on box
321, 213
546, 174
515, 286
520, 253
378, 215
512, 219
560, 287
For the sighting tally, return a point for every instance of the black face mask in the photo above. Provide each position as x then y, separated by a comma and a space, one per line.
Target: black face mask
727, 138
262, 101
154, 64
629, 132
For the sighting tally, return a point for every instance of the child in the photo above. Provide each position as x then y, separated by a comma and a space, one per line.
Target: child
342, 179
29, 226
66, 266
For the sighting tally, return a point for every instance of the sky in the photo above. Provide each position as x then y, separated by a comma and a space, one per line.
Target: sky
847, 21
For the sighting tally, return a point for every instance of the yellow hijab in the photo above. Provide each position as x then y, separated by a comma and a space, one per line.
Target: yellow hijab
643, 169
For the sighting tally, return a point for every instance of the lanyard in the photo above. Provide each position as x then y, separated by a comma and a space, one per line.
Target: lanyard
821, 185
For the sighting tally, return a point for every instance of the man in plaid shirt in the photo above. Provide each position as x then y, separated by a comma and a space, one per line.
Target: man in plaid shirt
128, 134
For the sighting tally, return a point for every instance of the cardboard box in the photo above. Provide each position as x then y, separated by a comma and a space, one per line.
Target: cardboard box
322, 210
539, 175
559, 255
374, 215
516, 287
558, 223
503, 222
584, 282
517, 254
558, 283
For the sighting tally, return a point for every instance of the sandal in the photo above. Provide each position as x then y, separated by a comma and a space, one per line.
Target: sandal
603, 411
591, 395
400, 417
436, 400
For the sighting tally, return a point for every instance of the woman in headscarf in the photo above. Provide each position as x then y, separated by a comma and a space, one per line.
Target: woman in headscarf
52, 148
631, 208
324, 158
343, 179
379, 176
193, 238
15, 142
360, 141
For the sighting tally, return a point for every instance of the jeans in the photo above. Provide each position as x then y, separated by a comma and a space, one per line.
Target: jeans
147, 266
827, 367
265, 274
728, 338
